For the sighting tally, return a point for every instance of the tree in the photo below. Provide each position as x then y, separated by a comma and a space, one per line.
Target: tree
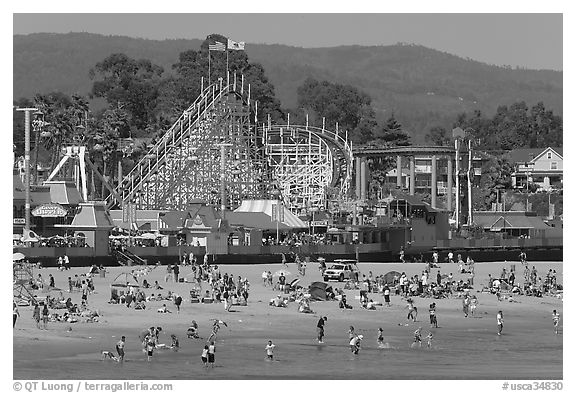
514, 126
342, 104
393, 133
128, 82
65, 116
438, 136
193, 65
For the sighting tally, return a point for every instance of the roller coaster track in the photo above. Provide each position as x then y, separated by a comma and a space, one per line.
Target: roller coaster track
186, 163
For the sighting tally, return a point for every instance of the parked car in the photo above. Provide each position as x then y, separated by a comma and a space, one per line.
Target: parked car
342, 269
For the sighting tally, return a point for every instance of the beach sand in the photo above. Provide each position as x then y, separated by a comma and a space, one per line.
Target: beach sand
463, 348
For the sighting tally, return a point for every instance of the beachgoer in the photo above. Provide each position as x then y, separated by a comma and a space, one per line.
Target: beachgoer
555, 320
320, 329
429, 338
45, 314
387, 295
109, 355
211, 354
36, 315
433, 319
500, 322
270, 350
402, 255
176, 271
351, 333
473, 304
175, 344
465, 305
412, 310
150, 345
380, 338
15, 314
120, 348
66, 262
418, 337
204, 356
355, 343
177, 302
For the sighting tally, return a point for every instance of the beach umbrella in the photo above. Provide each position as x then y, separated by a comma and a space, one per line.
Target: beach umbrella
389, 277
18, 256
295, 282
282, 271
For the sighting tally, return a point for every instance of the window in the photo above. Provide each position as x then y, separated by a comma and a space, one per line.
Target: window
553, 165
549, 155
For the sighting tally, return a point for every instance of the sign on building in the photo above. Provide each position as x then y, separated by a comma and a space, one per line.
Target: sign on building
49, 210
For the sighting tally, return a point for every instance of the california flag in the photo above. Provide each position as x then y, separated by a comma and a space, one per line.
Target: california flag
233, 45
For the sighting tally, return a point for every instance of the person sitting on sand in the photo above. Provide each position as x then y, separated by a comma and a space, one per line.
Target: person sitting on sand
192, 331
278, 302
343, 304
164, 310
145, 284
157, 286
305, 307
151, 298
371, 305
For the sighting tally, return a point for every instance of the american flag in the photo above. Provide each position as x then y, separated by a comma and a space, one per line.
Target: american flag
217, 46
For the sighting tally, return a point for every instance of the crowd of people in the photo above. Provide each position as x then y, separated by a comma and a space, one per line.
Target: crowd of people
214, 286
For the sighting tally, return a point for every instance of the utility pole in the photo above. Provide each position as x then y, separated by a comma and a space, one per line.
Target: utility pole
470, 218
457, 210
27, 165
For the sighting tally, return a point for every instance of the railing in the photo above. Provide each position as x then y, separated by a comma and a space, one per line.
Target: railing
156, 156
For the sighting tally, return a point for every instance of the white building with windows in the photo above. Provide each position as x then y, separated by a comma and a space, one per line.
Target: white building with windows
542, 167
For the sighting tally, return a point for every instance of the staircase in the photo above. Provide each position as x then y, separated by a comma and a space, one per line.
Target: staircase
127, 258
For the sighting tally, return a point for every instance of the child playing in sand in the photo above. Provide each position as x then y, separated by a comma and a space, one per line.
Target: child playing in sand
429, 338
150, 345
351, 333
120, 348
212, 354
270, 350
204, 356
417, 337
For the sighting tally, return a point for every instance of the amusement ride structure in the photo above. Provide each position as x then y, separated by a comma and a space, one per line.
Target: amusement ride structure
217, 153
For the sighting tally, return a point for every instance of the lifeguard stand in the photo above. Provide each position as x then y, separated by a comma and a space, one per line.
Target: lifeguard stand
22, 288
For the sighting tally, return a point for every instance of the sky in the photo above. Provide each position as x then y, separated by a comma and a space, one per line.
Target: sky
525, 40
